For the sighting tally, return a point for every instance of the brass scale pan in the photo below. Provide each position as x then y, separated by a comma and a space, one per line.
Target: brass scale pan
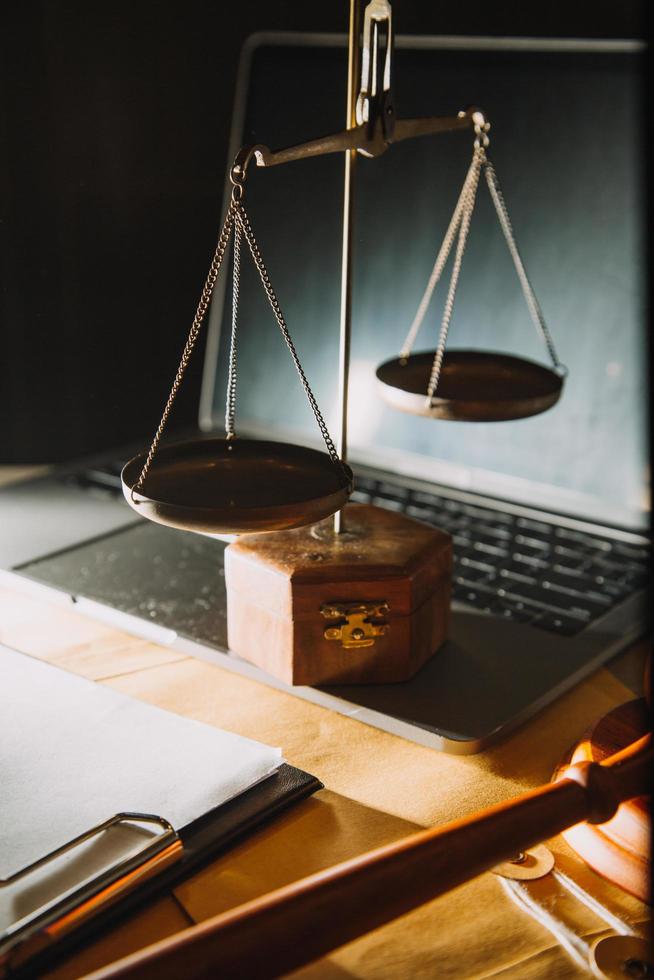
238, 486
474, 386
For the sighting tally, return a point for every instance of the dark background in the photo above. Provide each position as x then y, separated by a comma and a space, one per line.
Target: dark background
114, 121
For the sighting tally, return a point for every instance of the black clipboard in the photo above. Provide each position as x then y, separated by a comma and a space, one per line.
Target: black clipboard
57, 930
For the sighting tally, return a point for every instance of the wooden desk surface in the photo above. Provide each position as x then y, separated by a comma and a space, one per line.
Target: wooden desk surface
378, 788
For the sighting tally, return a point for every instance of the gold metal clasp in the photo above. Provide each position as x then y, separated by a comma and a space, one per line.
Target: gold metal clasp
356, 624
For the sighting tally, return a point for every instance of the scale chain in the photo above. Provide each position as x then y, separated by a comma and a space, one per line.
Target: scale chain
203, 305
528, 292
470, 193
236, 220
459, 223
243, 221
230, 408
437, 270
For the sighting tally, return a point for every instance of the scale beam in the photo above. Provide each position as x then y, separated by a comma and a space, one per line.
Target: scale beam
368, 139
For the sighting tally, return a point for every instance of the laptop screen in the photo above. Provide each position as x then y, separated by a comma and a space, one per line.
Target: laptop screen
566, 144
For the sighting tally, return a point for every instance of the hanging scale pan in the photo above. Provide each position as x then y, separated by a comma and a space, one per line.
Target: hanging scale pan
233, 485
471, 385
474, 386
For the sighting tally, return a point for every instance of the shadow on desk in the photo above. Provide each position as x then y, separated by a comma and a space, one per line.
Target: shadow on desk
314, 835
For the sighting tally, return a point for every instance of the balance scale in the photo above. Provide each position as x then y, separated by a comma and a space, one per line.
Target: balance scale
320, 591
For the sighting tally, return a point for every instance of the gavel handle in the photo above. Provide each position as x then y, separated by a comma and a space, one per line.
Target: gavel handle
297, 924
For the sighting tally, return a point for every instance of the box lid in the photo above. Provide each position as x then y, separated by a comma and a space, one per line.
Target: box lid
383, 555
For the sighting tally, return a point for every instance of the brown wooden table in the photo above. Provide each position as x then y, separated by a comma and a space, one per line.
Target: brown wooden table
379, 787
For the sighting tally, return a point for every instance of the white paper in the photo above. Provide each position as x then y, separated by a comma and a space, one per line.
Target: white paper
73, 753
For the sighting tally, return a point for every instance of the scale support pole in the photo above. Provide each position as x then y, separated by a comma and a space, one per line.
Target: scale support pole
353, 67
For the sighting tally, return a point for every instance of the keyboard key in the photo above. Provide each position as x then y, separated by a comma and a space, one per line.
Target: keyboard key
500, 526
612, 569
508, 575
525, 592
426, 499
531, 561
472, 574
536, 526
490, 534
637, 568
531, 543
516, 614
422, 514
516, 605
533, 596
566, 555
571, 572
635, 580
388, 504
639, 553
490, 549
558, 624
585, 596
451, 526
484, 514
392, 491
583, 539
575, 605
576, 581
474, 597
365, 483
360, 497
481, 566
616, 590
467, 583
459, 521
496, 517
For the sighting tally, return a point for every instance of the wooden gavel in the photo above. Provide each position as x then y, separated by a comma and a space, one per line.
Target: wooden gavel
301, 922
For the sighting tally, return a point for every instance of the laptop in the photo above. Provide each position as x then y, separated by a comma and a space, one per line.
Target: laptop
549, 515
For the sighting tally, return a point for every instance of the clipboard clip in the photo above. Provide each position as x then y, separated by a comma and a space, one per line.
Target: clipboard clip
49, 922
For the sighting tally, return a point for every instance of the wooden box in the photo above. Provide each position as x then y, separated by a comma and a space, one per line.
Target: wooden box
370, 605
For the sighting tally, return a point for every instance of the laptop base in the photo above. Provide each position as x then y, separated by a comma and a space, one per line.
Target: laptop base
489, 677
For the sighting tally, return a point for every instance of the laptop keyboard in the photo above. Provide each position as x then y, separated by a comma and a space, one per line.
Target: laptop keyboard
529, 571
520, 569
